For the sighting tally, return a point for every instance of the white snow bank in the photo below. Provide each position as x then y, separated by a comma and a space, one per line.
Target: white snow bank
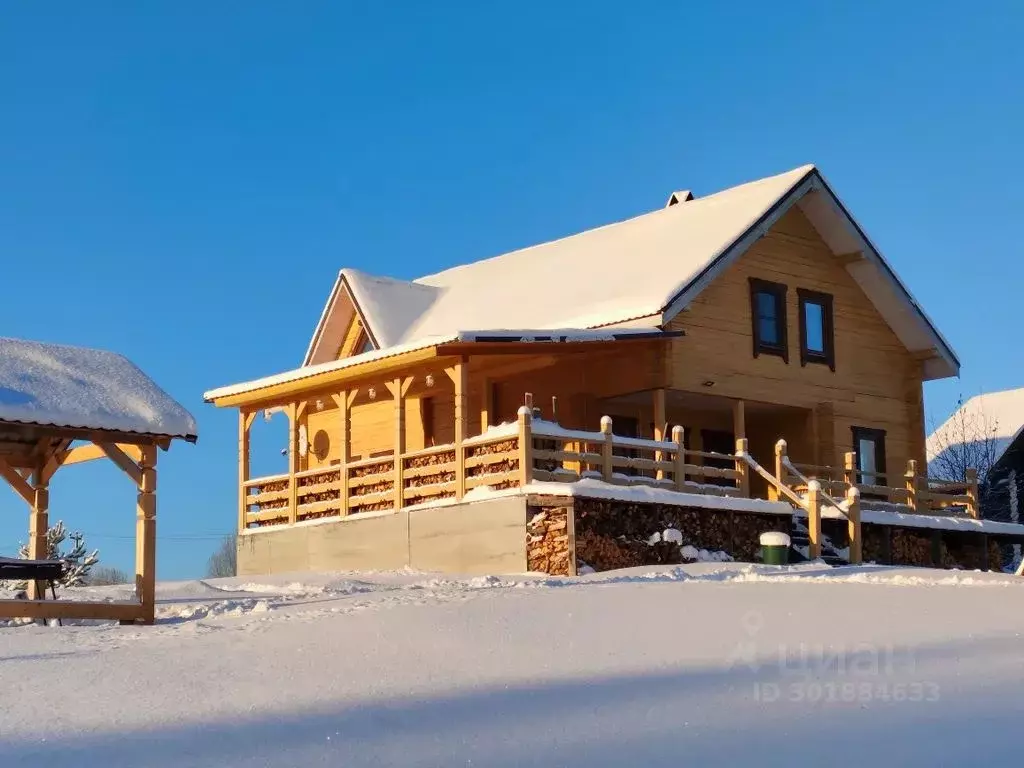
703, 664
80, 388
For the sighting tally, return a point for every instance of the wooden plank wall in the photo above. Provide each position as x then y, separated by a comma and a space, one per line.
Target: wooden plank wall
877, 382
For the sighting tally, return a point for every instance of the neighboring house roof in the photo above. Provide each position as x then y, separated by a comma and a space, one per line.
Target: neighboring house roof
997, 415
638, 272
77, 388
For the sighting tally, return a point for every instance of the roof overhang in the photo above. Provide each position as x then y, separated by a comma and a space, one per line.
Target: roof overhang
370, 365
861, 259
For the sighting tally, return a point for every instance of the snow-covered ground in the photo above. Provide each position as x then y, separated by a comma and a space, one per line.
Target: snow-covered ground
705, 664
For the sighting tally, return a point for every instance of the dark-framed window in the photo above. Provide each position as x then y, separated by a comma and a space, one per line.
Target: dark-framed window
817, 332
768, 310
869, 450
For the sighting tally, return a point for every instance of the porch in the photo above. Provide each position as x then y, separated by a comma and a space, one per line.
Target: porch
533, 456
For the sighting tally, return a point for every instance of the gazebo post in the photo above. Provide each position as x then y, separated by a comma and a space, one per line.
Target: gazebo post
145, 535
38, 525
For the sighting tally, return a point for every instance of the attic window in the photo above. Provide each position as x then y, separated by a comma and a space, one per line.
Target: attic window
366, 346
768, 314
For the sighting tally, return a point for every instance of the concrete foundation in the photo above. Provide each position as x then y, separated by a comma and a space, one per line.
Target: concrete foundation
487, 536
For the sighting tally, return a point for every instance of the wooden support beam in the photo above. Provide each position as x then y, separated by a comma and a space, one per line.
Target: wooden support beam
525, 447
679, 472
660, 425
607, 449
56, 460
739, 419
38, 525
93, 451
68, 609
742, 468
398, 389
293, 462
344, 402
145, 535
910, 477
244, 422
17, 482
814, 519
120, 458
854, 526
487, 404
459, 374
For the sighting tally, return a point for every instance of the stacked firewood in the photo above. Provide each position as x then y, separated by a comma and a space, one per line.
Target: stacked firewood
266, 506
547, 540
499, 465
387, 483
911, 547
326, 495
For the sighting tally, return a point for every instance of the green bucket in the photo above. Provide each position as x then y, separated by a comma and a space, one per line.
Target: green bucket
775, 548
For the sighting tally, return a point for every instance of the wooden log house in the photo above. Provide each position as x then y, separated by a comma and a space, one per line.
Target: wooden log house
670, 352
60, 406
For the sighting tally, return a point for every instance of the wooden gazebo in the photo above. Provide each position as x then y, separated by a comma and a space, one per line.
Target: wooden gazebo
62, 405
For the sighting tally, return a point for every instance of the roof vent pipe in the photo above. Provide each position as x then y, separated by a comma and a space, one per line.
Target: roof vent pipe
679, 196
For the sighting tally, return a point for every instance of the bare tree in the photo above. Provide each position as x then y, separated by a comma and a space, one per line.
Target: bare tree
224, 560
105, 575
968, 440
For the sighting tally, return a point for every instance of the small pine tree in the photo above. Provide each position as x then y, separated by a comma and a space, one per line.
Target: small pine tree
77, 562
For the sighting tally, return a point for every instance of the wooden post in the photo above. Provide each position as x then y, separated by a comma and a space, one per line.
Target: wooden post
854, 527
293, 462
570, 528
660, 425
743, 481
973, 508
487, 407
850, 469
145, 535
525, 446
344, 403
739, 420
459, 374
244, 422
38, 524
781, 448
399, 482
607, 468
679, 438
911, 481
814, 519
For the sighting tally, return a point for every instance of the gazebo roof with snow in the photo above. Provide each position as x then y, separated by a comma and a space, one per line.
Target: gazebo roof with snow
62, 391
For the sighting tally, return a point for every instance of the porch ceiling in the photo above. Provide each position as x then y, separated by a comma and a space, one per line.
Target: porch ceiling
678, 399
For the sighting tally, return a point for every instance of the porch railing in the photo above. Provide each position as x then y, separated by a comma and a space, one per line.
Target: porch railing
515, 455
913, 490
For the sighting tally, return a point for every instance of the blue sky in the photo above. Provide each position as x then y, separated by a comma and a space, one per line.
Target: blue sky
181, 183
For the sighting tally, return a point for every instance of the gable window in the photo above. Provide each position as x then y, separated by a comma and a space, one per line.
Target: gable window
768, 310
366, 346
817, 337
869, 449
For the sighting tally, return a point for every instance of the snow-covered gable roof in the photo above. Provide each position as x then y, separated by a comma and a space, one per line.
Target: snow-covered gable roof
995, 415
671, 254
77, 388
